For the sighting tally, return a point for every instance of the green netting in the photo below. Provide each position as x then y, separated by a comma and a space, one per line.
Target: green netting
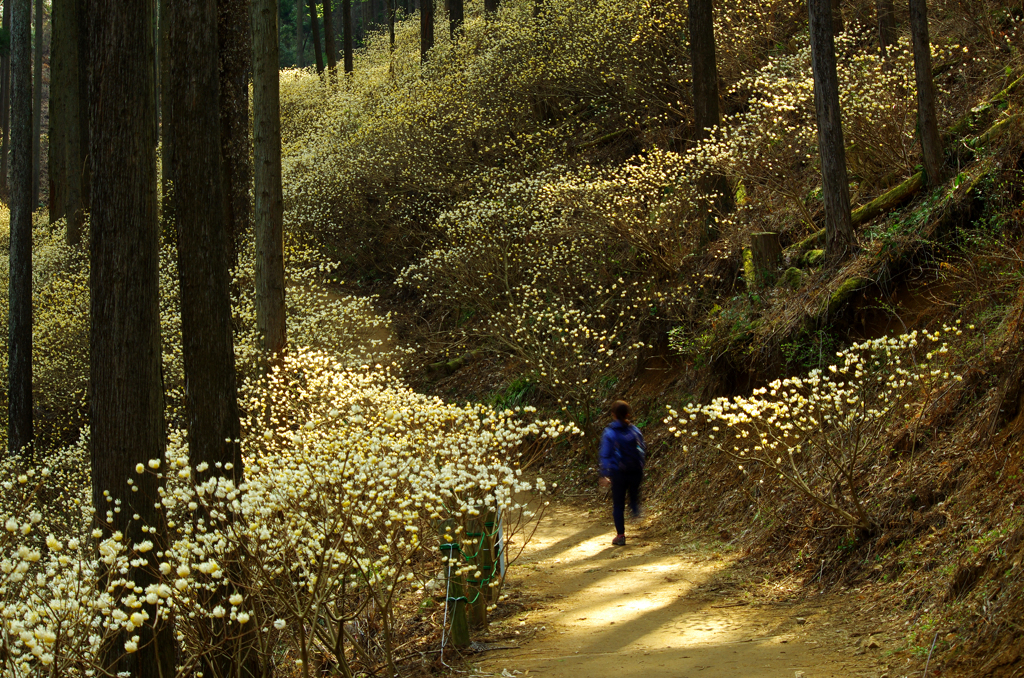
490, 530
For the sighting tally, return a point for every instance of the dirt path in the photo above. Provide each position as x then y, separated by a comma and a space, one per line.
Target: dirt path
654, 609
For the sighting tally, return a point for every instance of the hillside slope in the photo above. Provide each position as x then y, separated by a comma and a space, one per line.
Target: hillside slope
531, 207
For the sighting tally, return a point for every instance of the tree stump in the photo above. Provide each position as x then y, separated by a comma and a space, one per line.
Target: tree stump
766, 251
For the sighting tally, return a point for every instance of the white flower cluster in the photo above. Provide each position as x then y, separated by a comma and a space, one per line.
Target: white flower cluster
352, 481
822, 433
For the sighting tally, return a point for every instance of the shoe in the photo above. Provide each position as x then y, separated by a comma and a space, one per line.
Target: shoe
620, 540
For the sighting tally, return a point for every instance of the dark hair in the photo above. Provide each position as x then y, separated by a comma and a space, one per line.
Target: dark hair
622, 411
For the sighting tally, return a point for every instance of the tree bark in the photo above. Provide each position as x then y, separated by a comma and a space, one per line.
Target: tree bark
315, 30
165, 141
705, 98
125, 389
389, 8
194, 126
268, 227
67, 138
456, 17
886, 26
426, 27
837, 17
332, 50
927, 120
839, 238
5, 103
346, 31
19, 343
234, 37
56, 156
37, 104
300, 61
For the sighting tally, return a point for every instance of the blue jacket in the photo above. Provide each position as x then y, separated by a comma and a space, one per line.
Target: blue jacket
620, 439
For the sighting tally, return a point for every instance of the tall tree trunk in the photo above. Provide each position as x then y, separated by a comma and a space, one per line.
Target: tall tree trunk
194, 126
886, 26
166, 210
268, 227
67, 140
837, 18
315, 30
37, 104
389, 7
332, 51
705, 99
84, 118
426, 27
839, 238
56, 155
19, 341
5, 103
234, 37
125, 389
927, 120
456, 17
346, 31
300, 60
156, 68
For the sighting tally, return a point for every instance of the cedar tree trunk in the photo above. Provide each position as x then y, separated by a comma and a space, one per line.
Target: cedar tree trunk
125, 389
389, 7
705, 98
268, 226
346, 33
332, 51
5, 102
315, 30
300, 40
426, 27
194, 124
37, 104
19, 340
927, 120
68, 141
837, 17
839, 239
456, 17
234, 37
886, 26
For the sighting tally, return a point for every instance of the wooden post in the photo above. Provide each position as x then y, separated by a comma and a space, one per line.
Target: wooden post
487, 565
766, 252
475, 591
459, 634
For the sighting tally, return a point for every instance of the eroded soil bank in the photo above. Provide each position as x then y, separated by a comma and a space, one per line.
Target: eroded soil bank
663, 606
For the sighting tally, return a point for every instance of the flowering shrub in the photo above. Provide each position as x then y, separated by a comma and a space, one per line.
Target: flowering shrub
60, 303
347, 495
822, 434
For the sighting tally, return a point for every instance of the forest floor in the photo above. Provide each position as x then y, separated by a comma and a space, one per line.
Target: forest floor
666, 605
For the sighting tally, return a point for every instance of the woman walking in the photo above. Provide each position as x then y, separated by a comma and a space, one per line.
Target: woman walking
623, 454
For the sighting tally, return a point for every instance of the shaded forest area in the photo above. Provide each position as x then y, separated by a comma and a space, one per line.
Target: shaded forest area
789, 233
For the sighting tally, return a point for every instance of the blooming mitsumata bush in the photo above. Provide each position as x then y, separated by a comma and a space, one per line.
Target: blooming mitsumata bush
351, 484
821, 434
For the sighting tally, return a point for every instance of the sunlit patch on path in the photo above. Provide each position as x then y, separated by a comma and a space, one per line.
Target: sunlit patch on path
637, 611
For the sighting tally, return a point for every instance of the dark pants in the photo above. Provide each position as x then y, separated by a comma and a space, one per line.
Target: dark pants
623, 482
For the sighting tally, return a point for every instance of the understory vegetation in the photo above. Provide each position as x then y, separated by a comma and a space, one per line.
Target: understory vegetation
531, 207
525, 225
